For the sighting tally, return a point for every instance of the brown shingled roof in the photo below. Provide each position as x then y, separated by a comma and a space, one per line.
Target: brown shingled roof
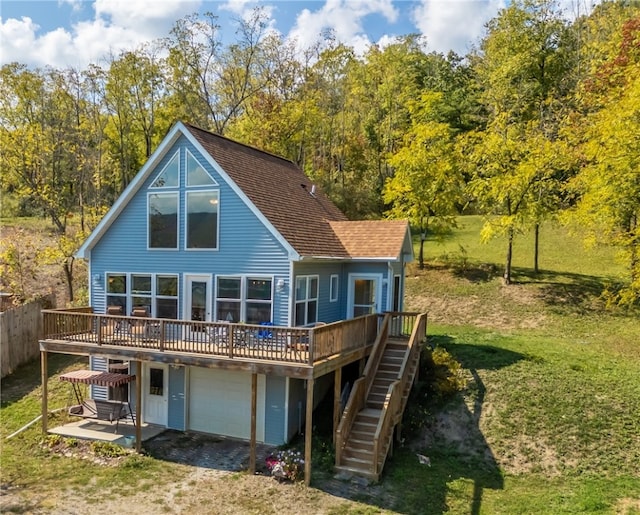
311, 223
372, 238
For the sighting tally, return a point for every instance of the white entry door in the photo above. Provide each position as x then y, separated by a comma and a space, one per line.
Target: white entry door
198, 297
197, 305
364, 295
156, 394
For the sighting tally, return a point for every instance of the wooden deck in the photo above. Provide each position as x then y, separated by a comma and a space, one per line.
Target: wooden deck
290, 351
305, 353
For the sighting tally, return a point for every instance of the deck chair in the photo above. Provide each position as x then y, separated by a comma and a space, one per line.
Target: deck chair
110, 326
139, 327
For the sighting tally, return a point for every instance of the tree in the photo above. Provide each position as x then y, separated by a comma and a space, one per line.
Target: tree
427, 185
211, 84
523, 72
607, 138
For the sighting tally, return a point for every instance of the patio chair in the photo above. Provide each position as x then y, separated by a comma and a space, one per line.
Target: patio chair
111, 325
219, 334
138, 327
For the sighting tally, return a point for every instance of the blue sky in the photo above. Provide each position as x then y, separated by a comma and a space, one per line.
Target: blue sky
76, 32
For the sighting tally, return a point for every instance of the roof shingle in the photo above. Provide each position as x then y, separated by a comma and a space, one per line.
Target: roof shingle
298, 210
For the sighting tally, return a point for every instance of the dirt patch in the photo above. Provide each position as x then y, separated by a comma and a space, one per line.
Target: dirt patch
516, 306
211, 478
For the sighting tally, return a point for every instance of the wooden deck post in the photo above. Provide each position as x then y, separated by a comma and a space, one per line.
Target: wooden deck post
308, 433
337, 390
139, 407
45, 391
254, 405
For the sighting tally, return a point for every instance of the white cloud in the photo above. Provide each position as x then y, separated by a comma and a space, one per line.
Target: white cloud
454, 24
344, 18
76, 5
150, 17
237, 6
117, 25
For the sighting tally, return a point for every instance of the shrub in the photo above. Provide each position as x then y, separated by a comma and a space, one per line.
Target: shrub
440, 378
108, 449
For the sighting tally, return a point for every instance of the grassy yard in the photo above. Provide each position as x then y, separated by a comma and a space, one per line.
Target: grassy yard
549, 421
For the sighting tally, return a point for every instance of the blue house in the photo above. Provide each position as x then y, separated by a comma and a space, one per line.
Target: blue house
225, 279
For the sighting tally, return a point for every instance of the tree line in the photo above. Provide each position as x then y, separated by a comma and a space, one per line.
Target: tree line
540, 121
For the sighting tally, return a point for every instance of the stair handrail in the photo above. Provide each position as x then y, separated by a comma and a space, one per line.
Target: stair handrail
373, 362
393, 405
385, 426
352, 408
360, 390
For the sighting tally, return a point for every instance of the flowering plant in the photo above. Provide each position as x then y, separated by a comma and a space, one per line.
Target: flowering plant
286, 464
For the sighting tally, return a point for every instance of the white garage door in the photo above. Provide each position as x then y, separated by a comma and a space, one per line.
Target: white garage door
220, 403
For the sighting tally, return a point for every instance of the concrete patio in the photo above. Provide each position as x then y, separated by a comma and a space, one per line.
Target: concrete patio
124, 435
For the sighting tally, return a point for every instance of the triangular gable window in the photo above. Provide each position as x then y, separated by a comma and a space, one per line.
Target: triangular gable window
169, 177
196, 174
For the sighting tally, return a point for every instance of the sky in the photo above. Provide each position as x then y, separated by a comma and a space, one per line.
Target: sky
74, 33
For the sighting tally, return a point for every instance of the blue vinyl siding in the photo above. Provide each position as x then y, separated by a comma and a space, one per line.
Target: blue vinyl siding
245, 245
297, 401
327, 311
100, 364
275, 400
177, 399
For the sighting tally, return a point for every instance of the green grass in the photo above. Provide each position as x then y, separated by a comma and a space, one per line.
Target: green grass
561, 251
549, 421
27, 462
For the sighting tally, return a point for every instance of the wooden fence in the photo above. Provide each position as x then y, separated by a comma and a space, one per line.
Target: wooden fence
20, 329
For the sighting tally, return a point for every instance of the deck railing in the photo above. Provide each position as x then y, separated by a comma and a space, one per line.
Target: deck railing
304, 345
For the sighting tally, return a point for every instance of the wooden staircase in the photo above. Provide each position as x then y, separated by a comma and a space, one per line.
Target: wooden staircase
379, 397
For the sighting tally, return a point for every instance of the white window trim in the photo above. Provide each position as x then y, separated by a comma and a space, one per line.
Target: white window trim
153, 188
334, 292
153, 297
243, 294
186, 220
213, 183
165, 193
351, 293
308, 279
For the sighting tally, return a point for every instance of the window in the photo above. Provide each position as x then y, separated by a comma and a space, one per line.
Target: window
158, 294
196, 174
306, 300
229, 299
163, 220
141, 292
202, 219
169, 177
117, 291
166, 296
258, 304
247, 299
333, 288
156, 381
